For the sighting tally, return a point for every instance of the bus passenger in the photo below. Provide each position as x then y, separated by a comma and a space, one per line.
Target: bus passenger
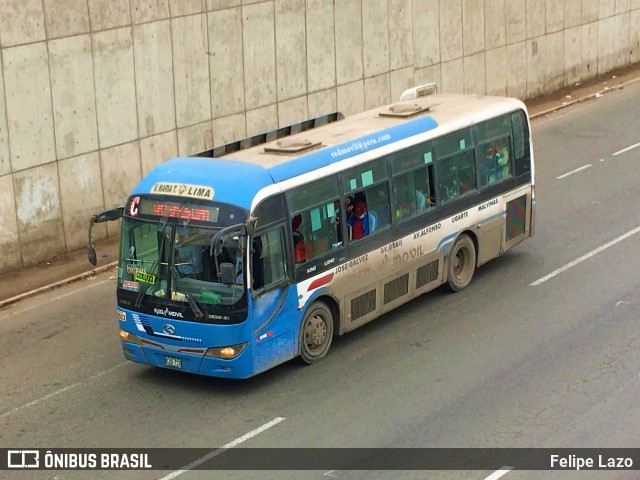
421, 201
298, 240
467, 181
497, 164
359, 222
502, 158
338, 220
382, 206
405, 197
348, 206
188, 256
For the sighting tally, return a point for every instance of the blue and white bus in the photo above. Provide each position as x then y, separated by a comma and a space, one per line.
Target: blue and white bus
245, 256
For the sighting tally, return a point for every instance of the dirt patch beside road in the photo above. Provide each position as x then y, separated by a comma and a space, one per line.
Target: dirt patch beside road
583, 91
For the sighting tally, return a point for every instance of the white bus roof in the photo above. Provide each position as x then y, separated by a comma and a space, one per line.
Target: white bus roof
449, 111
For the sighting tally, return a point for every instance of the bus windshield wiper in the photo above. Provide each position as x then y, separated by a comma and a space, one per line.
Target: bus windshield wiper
145, 285
192, 303
143, 288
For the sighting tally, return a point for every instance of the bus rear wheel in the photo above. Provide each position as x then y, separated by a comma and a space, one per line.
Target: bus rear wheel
316, 333
462, 263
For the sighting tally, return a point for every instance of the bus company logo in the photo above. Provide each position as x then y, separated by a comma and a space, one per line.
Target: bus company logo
169, 329
23, 459
167, 313
183, 190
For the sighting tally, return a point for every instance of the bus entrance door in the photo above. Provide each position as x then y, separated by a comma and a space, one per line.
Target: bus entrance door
274, 327
273, 301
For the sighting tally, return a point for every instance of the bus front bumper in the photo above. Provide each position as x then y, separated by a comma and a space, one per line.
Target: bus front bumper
198, 363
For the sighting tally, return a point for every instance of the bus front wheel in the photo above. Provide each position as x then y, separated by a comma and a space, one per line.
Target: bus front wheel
462, 263
316, 333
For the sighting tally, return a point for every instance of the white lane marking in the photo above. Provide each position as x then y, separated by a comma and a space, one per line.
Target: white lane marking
574, 171
626, 149
10, 313
585, 257
62, 390
501, 472
218, 451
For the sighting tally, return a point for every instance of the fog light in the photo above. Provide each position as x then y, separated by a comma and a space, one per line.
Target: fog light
129, 337
227, 352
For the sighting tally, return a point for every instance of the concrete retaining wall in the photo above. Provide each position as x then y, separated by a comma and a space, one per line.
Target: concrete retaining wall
95, 93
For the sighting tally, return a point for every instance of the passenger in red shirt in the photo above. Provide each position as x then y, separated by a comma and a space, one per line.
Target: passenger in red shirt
298, 240
359, 221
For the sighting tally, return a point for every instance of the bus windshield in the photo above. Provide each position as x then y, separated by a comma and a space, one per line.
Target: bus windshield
173, 261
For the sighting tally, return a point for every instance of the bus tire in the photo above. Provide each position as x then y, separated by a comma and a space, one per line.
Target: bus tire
316, 333
462, 263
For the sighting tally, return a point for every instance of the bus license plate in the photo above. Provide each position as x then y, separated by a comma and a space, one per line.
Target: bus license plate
173, 362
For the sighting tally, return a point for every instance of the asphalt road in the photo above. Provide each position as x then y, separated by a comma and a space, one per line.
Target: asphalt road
542, 350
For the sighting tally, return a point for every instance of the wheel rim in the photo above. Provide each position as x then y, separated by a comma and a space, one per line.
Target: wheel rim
461, 263
315, 334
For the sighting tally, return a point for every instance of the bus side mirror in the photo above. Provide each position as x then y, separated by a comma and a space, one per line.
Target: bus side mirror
108, 215
104, 216
91, 255
227, 273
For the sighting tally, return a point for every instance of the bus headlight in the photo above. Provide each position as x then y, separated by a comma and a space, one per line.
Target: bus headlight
226, 352
129, 337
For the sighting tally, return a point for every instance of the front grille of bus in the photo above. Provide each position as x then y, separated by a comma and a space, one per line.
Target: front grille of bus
427, 273
143, 322
396, 288
363, 304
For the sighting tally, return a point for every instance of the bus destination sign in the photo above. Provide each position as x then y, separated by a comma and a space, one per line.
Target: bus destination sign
182, 211
202, 192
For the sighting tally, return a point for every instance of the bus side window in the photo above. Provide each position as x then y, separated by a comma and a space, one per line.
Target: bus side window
413, 188
324, 235
495, 156
366, 187
495, 161
314, 218
456, 165
268, 264
412, 193
371, 211
456, 175
315, 231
